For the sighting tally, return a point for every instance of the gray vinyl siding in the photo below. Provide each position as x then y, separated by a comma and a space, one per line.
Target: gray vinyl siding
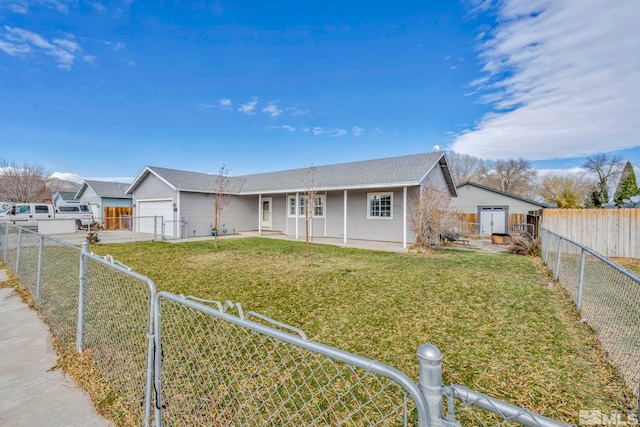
279, 212
361, 227
335, 214
153, 188
470, 197
88, 196
241, 214
436, 177
196, 212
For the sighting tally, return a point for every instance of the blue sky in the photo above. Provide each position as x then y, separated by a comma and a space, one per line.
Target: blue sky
102, 89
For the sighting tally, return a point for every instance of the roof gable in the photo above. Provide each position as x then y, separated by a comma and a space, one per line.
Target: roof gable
493, 190
108, 189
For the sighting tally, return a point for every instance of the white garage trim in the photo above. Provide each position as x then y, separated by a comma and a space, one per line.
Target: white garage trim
162, 210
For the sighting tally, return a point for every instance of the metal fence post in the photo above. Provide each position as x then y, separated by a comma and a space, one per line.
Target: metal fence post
430, 379
84, 264
39, 276
546, 248
556, 274
18, 250
580, 281
6, 242
155, 227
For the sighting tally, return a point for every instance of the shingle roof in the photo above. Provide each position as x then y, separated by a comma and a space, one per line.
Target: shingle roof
484, 187
388, 172
113, 190
369, 173
195, 181
67, 195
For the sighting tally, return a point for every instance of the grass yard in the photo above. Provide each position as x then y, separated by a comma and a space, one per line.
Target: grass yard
503, 329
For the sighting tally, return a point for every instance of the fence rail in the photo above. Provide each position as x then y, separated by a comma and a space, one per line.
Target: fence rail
607, 297
210, 366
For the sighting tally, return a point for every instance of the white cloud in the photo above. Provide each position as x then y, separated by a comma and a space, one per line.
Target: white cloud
115, 46
298, 111
562, 78
333, 132
225, 103
66, 176
25, 6
284, 127
356, 131
89, 59
249, 108
272, 109
378, 131
19, 42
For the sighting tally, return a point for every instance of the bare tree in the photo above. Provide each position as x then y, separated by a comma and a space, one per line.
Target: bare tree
605, 168
511, 176
23, 183
221, 200
430, 210
465, 167
566, 191
311, 205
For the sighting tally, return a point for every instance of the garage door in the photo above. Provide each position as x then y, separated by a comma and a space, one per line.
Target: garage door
493, 220
162, 210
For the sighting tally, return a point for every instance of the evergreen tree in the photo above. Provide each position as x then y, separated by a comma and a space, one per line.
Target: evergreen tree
627, 186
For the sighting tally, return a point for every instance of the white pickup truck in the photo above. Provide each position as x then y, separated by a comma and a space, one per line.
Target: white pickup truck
28, 214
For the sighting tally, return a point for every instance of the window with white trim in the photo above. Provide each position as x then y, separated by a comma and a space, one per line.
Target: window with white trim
302, 203
380, 205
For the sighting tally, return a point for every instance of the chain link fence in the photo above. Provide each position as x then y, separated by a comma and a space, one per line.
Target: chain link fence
212, 367
607, 297
91, 305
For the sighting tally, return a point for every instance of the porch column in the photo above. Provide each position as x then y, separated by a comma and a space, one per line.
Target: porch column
297, 213
259, 214
345, 218
404, 217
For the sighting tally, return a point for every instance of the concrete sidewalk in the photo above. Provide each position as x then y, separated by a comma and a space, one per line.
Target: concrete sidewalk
31, 394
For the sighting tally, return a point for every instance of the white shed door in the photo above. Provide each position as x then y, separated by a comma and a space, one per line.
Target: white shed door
493, 220
162, 210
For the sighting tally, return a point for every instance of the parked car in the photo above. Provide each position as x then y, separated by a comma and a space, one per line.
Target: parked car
28, 214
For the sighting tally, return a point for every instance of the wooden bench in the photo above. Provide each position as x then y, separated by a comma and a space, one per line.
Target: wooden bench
464, 242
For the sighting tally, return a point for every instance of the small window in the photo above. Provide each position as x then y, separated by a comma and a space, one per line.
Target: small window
380, 205
84, 208
292, 205
42, 209
302, 206
23, 209
69, 209
319, 209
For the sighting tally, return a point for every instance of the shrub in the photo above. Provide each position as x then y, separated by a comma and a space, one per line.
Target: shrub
92, 238
525, 246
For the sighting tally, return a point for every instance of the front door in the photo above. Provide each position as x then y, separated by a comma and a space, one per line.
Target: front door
266, 219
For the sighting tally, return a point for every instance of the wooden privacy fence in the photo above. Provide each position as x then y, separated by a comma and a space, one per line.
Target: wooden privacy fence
512, 219
610, 232
117, 218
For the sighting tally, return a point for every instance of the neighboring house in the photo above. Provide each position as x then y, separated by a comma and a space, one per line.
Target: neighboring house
103, 194
367, 200
64, 196
495, 211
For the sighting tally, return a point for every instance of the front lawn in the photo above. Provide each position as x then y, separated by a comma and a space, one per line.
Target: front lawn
503, 328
